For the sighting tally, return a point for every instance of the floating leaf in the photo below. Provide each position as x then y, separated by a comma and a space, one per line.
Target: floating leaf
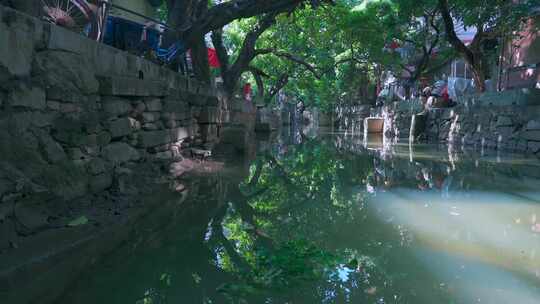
83, 220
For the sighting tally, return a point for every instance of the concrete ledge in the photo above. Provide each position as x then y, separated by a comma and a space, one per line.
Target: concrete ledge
25, 34
126, 86
516, 97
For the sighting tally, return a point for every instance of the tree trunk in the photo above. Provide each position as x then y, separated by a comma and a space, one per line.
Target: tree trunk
473, 58
232, 72
479, 75
199, 58
193, 19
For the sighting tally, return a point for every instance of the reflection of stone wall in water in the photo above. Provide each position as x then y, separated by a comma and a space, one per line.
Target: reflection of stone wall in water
350, 118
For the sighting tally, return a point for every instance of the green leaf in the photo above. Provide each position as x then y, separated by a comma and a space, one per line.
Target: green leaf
82, 220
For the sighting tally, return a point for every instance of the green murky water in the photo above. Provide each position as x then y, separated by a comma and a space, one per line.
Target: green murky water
332, 220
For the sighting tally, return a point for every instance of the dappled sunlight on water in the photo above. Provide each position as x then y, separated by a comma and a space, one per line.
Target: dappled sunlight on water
484, 246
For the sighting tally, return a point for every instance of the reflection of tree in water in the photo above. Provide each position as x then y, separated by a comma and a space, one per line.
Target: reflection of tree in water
271, 238
272, 235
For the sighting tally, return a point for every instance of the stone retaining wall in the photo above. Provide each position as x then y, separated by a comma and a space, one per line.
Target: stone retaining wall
508, 128
75, 114
508, 121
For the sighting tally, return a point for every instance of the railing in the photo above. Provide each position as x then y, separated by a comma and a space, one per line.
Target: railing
134, 35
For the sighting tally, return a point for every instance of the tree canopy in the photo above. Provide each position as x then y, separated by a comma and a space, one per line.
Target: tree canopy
333, 54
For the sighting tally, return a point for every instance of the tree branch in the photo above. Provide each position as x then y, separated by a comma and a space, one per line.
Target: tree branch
246, 54
257, 74
224, 13
300, 61
451, 32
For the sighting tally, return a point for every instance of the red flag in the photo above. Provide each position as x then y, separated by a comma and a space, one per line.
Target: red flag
213, 58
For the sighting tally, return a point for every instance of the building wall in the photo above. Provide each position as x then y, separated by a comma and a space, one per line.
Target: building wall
524, 51
142, 7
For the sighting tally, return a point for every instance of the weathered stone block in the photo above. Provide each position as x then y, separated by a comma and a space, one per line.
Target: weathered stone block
129, 86
533, 125
506, 132
263, 127
212, 102
101, 182
19, 62
504, 121
120, 127
521, 145
209, 132
69, 131
65, 95
91, 122
77, 154
533, 146
178, 134
533, 135
28, 97
150, 127
157, 138
226, 116
116, 107
175, 115
31, 215
166, 155
41, 120
138, 109
51, 150
96, 166
103, 138
209, 115
70, 108
196, 111
67, 76
151, 116
119, 153
153, 105
175, 105
53, 105
171, 124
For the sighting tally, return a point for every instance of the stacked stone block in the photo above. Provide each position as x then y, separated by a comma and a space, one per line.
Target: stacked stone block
78, 112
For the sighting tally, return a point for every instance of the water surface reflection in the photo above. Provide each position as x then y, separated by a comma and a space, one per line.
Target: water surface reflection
337, 220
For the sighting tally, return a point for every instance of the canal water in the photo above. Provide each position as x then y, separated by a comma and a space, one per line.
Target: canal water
334, 219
